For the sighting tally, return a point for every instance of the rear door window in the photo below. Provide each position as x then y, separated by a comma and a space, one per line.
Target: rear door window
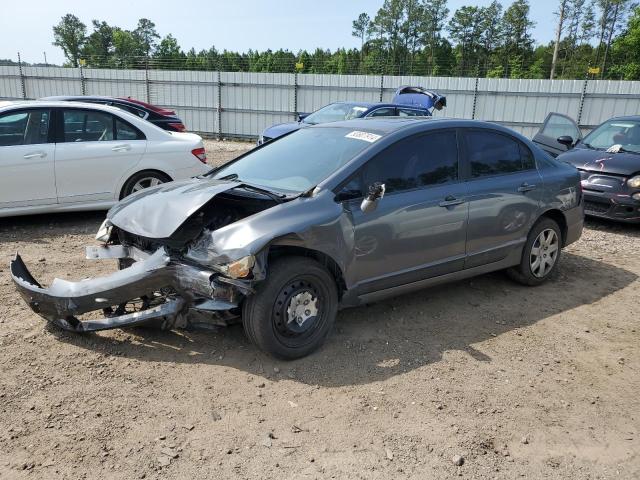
383, 112
409, 112
95, 126
24, 127
87, 126
492, 153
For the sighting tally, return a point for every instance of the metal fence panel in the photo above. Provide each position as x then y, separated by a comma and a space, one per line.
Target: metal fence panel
317, 90
524, 104
243, 104
193, 96
48, 81
610, 98
252, 102
10, 86
115, 83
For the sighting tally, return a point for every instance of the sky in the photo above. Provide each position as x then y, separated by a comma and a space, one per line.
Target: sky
238, 25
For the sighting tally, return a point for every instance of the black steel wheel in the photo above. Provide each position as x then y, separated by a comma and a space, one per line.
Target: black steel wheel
293, 310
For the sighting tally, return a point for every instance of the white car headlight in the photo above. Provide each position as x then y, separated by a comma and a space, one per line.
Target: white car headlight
238, 269
104, 232
634, 182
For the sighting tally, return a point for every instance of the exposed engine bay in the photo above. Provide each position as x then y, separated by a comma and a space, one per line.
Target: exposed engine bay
170, 282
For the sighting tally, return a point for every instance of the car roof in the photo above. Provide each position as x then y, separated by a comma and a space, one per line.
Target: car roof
635, 118
378, 104
59, 103
389, 125
392, 124
70, 97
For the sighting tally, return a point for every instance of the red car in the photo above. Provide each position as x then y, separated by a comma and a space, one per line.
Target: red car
162, 117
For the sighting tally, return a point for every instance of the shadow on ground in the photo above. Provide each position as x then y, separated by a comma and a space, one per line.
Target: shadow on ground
378, 341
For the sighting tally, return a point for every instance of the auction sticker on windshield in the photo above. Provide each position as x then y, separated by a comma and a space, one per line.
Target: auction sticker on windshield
366, 136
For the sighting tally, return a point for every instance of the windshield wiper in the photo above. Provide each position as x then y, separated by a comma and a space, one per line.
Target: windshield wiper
278, 198
231, 176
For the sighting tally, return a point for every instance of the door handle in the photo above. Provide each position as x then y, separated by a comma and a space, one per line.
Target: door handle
34, 155
525, 187
120, 148
451, 201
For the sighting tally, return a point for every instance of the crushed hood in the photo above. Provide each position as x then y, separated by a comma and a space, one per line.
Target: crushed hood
158, 212
622, 163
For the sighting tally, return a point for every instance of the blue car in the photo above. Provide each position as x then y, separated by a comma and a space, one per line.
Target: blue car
407, 102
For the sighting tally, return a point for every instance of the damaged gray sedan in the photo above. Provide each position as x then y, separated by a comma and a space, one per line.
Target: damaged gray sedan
326, 217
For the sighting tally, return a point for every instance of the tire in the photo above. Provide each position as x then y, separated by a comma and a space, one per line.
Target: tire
529, 272
277, 319
144, 179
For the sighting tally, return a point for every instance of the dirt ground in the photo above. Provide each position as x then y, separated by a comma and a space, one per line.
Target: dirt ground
519, 382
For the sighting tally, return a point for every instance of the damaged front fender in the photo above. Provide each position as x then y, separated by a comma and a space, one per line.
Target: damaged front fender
315, 223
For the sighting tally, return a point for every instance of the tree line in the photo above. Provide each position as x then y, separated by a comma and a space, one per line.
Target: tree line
405, 37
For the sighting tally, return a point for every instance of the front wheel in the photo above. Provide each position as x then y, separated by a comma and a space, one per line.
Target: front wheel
293, 310
541, 254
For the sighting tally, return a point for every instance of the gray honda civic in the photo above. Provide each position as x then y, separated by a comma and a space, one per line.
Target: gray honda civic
327, 217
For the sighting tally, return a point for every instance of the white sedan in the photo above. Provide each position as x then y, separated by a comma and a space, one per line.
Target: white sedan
61, 156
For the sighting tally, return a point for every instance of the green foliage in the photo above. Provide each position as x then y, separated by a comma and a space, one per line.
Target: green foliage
404, 37
70, 35
626, 50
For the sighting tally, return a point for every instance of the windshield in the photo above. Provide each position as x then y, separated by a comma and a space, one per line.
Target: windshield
299, 161
335, 112
616, 132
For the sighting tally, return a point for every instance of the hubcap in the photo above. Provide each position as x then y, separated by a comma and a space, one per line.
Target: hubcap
297, 309
301, 308
544, 253
146, 183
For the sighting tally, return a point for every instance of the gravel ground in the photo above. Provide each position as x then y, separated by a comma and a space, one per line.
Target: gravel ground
478, 379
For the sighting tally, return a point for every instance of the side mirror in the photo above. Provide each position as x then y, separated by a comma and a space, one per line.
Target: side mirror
302, 116
566, 140
370, 202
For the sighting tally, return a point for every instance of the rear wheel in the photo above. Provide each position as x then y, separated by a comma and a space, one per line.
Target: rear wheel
142, 180
293, 310
541, 254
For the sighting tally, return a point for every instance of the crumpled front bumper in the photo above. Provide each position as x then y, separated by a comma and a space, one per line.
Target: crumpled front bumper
193, 288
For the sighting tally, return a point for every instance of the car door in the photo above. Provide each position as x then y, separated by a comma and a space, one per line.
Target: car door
556, 125
95, 150
504, 193
27, 155
418, 229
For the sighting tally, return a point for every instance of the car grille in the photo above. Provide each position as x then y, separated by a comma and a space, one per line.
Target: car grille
596, 207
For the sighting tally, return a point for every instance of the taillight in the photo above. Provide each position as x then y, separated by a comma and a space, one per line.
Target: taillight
179, 127
201, 154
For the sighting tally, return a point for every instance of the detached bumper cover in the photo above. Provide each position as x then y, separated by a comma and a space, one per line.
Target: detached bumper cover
64, 300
